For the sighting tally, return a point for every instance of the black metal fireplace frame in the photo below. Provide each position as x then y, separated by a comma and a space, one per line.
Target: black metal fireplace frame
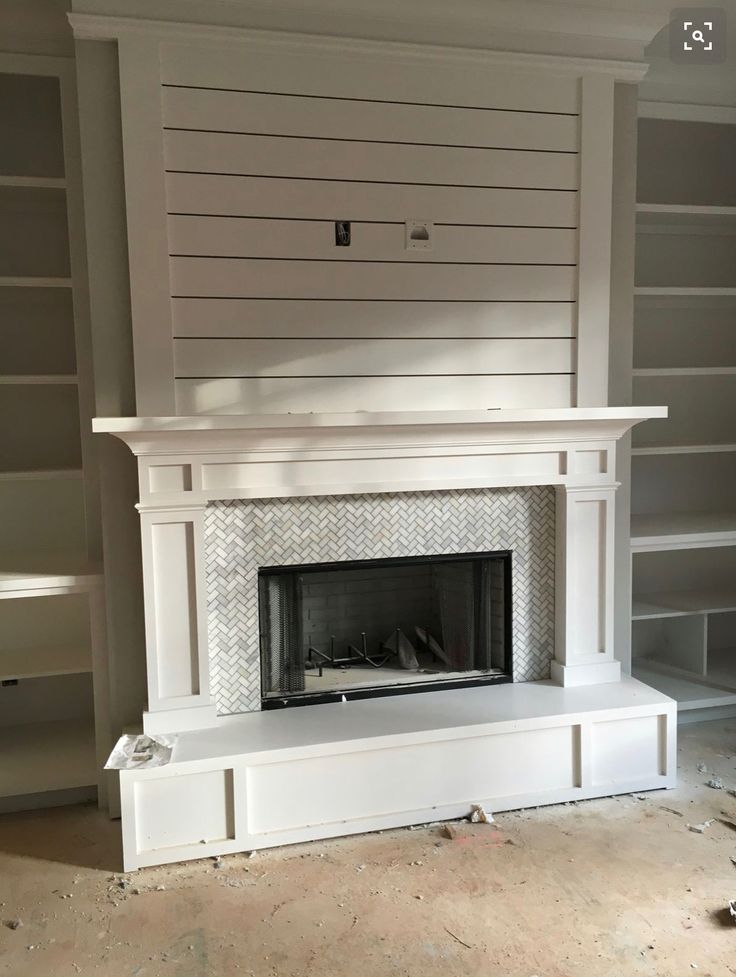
405, 688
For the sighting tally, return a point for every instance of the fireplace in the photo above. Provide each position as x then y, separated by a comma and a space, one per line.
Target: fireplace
374, 627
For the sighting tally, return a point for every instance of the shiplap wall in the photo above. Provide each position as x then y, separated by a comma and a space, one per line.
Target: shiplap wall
260, 310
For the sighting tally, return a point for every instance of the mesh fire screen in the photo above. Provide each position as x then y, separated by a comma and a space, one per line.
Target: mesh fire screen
378, 625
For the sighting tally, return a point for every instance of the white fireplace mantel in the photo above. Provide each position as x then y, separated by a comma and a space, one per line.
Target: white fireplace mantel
186, 462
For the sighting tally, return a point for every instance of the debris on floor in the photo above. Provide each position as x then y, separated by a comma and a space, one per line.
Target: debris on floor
702, 768
732, 909
449, 831
701, 828
715, 782
479, 815
14, 924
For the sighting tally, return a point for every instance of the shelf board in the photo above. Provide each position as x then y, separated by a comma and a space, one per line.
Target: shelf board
32, 281
679, 603
685, 371
668, 215
48, 756
31, 379
653, 532
670, 290
41, 475
38, 182
44, 662
681, 449
21, 573
687, 692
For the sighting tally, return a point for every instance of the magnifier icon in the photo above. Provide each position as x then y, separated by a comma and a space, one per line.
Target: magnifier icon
698, 36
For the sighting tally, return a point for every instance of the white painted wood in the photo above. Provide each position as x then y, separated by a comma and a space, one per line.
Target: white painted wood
341, 394
192, 193
42, 475
42, 662
263, 238
370, 357
682, 530
675, 603
47, 756
292, 318
21, 281
596, 175
688, 215
686, 292
628, 733
246, 278
428, 76
21, 575
147, 240
35, 182
175, 603
315, 159
682, 449
687, 112
685, 371
51, 379
689, 694
680, 643
340, 118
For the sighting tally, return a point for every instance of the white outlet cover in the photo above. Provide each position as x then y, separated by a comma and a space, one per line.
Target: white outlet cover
418, 235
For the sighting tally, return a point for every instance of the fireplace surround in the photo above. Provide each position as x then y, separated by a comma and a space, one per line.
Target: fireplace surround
241, 493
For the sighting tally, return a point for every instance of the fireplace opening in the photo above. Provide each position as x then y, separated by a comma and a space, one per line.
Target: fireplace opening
379, 627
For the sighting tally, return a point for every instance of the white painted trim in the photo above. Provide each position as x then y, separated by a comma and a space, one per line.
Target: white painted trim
95, 27
148, 249
594, 256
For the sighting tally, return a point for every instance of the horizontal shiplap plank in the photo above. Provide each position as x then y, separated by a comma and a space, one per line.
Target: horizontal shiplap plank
369, 357
320, 159
194, 193
391, 320
338, 118
241, 277
263, 238
358, 75
339, 394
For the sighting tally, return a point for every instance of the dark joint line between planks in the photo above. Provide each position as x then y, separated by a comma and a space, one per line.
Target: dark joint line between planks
370, 101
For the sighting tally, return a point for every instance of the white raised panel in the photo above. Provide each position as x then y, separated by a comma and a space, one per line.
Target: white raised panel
206, 193
628, 749
170, 478
341, 118
343, 788
176, 633
183, 810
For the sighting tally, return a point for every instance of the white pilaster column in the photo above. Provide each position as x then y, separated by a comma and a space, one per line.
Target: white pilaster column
584, 588
174, 590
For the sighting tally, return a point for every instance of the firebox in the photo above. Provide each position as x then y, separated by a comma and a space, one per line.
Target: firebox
380, 627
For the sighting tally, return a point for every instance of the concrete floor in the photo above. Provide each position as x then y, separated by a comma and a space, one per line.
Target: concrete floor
607, 888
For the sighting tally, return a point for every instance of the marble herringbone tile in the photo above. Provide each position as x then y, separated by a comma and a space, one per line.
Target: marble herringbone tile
241, 536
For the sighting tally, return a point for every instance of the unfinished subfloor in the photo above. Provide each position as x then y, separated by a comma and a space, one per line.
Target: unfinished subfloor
612, 887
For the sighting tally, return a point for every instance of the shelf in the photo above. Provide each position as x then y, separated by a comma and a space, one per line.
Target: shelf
44, 662
672, 291
682, 530
679, 603
688, 692
664, 215
685, 371
13, 281
38, 379
42, 475
47, 756
66, 572
681, 449
34, 182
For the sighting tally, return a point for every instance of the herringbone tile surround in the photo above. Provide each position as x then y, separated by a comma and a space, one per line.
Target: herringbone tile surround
241, 536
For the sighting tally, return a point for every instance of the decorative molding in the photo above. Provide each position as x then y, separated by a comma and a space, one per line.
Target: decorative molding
96, 27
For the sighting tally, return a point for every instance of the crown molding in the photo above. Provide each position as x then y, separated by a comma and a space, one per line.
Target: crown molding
97, 27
